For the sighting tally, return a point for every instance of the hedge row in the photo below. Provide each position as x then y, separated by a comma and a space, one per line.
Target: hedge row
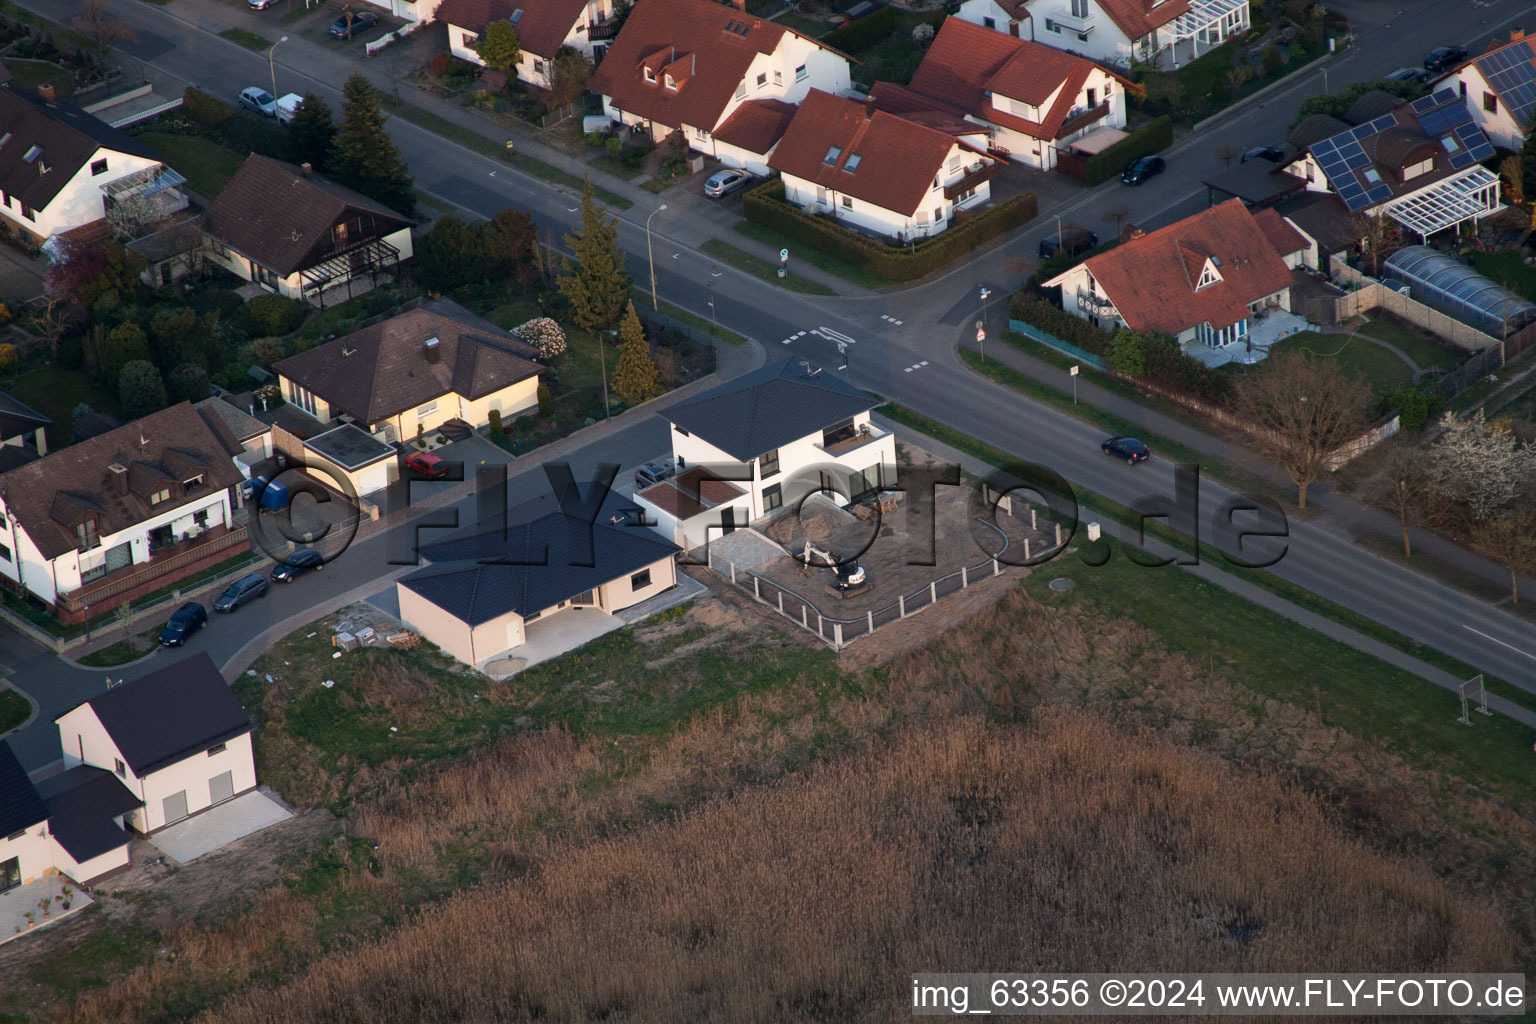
856, 35
1153, 137
240, 130
767, 206
1058, 323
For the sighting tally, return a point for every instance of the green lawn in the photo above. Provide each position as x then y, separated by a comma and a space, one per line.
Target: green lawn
761, 268
205, 164
1420, 349
1361, 358
249, 40
816, 258
14, 709
55, 393
1506, 268
123, 651
27, 75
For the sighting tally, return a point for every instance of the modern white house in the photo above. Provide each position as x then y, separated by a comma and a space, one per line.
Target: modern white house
1202, 280
123, 513
688, 65
62, 169
70, 824
763, 442
879, 172
296, 233
479, 596
1032, 99
1499, 88
1174, 32
177, 738
543, 27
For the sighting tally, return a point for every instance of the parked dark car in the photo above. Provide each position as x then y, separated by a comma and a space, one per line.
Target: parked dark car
297, 564
361, 21
243, 591
1127, 448
1072, 239
655, 473
185, 621
1271, 153
1142, 169
432, 467
1416, 75
1444, 58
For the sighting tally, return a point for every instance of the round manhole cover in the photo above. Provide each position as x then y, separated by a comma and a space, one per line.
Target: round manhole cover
1061, 584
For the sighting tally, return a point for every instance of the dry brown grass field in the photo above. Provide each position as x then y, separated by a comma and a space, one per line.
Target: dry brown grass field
1040, 788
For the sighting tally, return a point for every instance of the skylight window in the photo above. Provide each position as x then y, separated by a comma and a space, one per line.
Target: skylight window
833, 153
32, 154
853, 163
517, 16
1371, 175
1450, 142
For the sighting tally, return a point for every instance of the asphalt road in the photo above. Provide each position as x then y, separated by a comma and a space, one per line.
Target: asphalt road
902, 343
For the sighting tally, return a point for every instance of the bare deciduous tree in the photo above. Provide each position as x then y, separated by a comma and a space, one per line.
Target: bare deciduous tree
1226, 153
96, 22
1410, 493
1116, 215
1302, 411
1510, 540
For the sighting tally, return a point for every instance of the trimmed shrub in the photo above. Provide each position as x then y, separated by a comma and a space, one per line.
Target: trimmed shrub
494, 423
437, 67
766, 205
1058, 323
1153, 137
206, 110
864, 33
546, 403
274, 315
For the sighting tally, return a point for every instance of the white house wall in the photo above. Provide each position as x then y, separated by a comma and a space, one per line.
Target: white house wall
34, 850
193, 775
1499, 125
80, 201
978, 12
86, 872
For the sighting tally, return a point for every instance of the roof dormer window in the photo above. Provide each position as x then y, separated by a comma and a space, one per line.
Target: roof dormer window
1210, 275
192, 483
670, 82
853, 163
1414, 170
157, 497
833, 152
650, 76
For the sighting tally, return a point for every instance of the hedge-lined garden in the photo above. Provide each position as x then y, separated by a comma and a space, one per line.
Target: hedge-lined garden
1153, 137
767, 206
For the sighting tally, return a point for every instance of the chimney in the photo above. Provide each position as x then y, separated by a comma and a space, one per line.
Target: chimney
433, 350
1131, 231
307, 167
119, 474
1516, 34
740, 5
869, 108
46, 92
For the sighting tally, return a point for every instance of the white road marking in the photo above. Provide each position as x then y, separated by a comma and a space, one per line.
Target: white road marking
831, 335
793, 337
892, 319
676, 255
1501, 643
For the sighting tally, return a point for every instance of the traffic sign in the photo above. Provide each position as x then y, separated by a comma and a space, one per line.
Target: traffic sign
783, 254
981, 334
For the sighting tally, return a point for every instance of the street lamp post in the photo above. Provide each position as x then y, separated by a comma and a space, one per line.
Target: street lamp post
272, 67
602, 355
650, 255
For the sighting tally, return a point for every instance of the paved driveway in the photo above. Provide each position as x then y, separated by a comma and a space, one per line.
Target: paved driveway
219, 826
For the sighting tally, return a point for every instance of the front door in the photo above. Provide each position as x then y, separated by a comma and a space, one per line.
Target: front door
728, 520
175, 807
10, 874
221, 787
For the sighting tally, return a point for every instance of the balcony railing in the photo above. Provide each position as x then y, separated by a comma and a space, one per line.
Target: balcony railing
1064, 16
1096, 304
982, 171
161, 566
600, 30
1081, 117
840, 443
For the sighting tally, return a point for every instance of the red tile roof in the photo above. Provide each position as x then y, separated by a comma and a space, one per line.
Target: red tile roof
756, 126
914, 106
542, 28
1281, 234
966, 62
898, 158
1136, 18
1151, 279
719, 44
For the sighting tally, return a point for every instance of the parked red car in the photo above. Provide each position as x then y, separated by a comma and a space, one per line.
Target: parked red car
427, 465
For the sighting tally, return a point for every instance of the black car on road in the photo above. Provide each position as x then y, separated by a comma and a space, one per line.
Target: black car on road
1127, 448
297, 564
185, 621
1142, 169
1071, 240
1271, 153
243, 591
1444, 58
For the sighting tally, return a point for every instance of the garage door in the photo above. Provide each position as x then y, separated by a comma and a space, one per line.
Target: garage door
119, 557
221, 787
175, 807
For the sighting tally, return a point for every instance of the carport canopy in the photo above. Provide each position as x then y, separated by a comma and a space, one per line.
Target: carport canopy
1097, 141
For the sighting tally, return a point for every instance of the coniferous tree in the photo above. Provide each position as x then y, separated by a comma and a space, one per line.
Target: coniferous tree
595, 284
365, 157
312, 132
635, 378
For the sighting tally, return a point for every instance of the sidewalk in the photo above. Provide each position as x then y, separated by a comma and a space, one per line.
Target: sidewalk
1256, 594
1340, 514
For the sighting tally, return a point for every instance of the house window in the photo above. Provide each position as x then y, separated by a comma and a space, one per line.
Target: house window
989, 23
954, 163
85, 535
1093, 97
852, 163
192, 483
1371, 175
159, 496
847, 203
538, 67
1414, 170
119, 767
762, 79
922, 216
1051, 26
833, 152
217, 748
773, 497
28, 212
778, 78
98, 167
741, 89
640, 580
1079, 8
671, 83
938, 214
426, 410
650, 76
301, 397
800, 73
5, 553
768, 465
17, 834
1082, 37
1490, 103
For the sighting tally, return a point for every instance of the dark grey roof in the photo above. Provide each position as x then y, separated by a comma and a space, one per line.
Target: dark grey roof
242, 426
82, 804
64, 137
20, 806
17, 417
1370, 105
171, 714
1322, 217
350, 447
1315, 128
563, 554
1256, 182
770, 407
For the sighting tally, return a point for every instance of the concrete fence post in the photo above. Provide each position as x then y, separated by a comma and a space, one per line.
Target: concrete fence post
837, 635
871, 617
781, 602
805, 616
996, 569
757, 589
818, 625
1058, 535
933, 592
901, 605
1032, 518
965, 577
733, 571
1026, 549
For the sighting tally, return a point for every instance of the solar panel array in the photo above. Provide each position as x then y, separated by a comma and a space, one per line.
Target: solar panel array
1513, 77
1342, 155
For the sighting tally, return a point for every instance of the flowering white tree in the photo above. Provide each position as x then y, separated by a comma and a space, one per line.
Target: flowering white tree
545, 335
1480, 464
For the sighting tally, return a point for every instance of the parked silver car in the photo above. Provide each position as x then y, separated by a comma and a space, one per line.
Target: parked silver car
258, 99
723, 183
